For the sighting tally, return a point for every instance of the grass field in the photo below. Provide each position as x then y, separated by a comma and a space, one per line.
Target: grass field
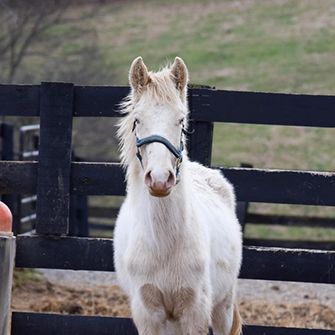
273, 46
277, 46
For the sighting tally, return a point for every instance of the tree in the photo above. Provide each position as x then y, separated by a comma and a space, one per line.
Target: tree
53, 40
23, 23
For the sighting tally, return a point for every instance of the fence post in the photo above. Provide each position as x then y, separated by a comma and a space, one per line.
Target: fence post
54, 168
7, 254
243, 206
82, 216
200, 142
7, 154
79, 216
7, 134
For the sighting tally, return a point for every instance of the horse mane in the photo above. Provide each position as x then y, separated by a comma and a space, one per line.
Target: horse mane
161, 88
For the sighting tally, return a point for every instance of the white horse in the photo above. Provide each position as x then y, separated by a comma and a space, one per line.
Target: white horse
177, 239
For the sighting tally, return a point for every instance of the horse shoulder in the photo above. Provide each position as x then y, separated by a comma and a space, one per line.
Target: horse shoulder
215, 181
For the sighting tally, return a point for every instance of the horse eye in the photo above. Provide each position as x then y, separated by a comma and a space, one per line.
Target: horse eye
181, 121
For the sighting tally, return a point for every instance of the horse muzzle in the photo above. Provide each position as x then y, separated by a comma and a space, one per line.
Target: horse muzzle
160, 193
160, 186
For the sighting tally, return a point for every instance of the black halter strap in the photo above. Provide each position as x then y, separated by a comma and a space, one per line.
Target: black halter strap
160, 139
178, 153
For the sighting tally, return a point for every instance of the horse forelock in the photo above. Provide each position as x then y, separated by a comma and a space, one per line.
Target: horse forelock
162, 88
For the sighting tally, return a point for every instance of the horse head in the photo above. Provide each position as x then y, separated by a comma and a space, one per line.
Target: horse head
159, 115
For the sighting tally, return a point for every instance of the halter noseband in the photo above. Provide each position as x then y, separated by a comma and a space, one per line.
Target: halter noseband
178, 153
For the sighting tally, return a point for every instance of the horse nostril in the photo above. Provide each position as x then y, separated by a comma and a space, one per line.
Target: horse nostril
171, 180
148, 178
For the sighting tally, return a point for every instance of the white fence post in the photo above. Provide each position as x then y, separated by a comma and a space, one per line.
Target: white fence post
7, 255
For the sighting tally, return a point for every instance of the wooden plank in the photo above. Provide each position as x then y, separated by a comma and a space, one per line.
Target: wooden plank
99, 100
291, 220
7, 134
19, 100
73, 222
82, 215
263, 108
97, 255
7, 153
243, 206
264, 330
253, 185
282, 186
225, 106
18, 177
241, 212
200, 142
45, 324
295, 244
288, 264
75, 253
23, 100
86, 178
53, 180
78, 216
98, 179
278, 186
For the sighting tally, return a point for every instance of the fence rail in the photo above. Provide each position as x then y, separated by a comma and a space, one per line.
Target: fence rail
253, 185
206, 105
41, 324
96, 254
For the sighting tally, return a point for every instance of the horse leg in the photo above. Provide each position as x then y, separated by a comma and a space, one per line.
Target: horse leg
195, 324
196, 319
226, 319
146, 322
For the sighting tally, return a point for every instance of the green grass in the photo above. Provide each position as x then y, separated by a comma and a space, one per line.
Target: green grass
272, 46
266, 46
289, 233
22, 276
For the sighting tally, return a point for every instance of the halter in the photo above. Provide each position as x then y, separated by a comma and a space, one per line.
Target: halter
177, 152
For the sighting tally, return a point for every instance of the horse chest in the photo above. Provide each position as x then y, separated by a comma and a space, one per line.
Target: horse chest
176, 263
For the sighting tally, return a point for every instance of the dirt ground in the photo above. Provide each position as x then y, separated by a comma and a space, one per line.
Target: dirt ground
284, 309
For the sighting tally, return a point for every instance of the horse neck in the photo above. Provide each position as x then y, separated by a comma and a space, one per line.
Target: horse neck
164, 219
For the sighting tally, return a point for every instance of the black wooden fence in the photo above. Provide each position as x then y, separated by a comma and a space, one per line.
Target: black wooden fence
56, 177
25, 213
86, 220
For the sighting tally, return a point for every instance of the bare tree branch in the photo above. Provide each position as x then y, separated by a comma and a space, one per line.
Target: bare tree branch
23, 23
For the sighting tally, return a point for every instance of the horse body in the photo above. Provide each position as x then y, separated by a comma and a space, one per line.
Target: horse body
177, 256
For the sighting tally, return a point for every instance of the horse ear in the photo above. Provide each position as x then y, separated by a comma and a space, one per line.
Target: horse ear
179, 74
138, 74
